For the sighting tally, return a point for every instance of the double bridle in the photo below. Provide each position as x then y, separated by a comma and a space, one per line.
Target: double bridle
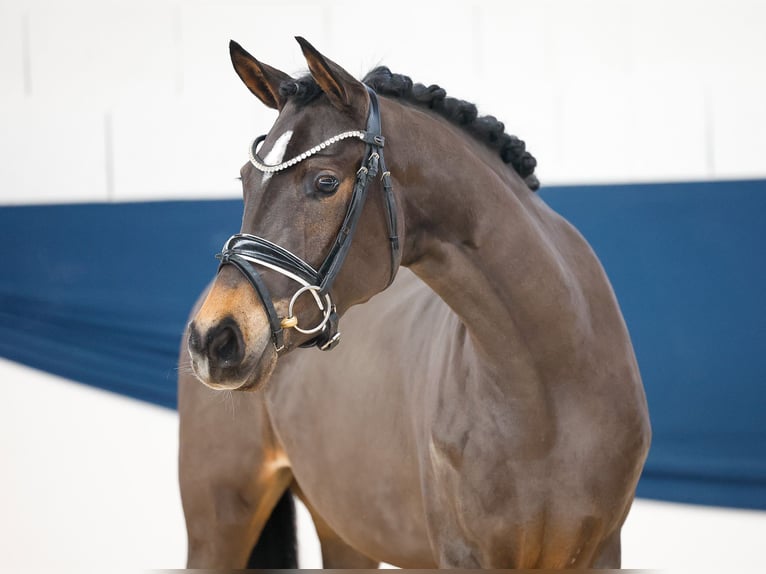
243, 250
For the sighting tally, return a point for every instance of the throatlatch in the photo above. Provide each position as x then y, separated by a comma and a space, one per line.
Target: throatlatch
244, 251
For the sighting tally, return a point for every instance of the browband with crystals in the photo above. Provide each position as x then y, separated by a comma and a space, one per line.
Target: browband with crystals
266, 168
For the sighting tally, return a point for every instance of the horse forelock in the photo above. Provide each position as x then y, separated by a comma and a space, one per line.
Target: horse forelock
486, 129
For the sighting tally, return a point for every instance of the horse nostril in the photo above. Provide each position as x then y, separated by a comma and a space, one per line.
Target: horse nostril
225, 344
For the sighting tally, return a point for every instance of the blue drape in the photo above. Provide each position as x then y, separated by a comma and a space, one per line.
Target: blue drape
99, 293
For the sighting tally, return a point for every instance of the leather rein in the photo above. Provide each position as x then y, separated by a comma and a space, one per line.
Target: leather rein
245, 251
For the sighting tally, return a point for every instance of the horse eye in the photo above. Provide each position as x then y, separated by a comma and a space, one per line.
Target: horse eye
326, 184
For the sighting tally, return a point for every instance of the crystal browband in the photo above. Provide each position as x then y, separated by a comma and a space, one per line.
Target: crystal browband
266, 168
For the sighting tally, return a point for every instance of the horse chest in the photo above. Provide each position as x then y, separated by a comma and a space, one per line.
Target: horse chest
352, 452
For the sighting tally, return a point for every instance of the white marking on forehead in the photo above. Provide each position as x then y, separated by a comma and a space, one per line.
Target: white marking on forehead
277, 153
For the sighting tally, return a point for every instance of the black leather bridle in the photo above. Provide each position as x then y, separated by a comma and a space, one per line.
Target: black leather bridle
244, 251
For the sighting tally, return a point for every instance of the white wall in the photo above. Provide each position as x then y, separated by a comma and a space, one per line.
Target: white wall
136, 99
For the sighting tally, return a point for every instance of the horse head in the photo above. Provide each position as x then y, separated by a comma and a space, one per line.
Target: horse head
308, 188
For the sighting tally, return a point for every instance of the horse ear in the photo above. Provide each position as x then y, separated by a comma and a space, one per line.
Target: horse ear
340, 86
260, 79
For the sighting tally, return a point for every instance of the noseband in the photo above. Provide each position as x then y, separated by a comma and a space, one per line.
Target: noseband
244, 251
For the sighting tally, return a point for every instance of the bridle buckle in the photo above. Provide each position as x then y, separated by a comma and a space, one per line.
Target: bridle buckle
332, 343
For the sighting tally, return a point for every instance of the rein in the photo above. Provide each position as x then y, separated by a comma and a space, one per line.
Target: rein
244, 251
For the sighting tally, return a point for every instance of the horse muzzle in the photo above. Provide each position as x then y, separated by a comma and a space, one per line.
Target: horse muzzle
229, 338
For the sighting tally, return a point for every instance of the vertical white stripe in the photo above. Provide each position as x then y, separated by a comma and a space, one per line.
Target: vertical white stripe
277, 153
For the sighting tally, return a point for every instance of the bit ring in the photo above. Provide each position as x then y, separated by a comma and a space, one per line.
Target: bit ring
291, 321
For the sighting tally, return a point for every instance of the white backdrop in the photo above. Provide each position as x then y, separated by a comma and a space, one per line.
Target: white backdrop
136, 99
106, 100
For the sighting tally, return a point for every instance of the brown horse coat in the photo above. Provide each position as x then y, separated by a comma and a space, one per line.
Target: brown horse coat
487, 413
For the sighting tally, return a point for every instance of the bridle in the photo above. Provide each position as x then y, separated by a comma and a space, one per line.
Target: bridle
244, 250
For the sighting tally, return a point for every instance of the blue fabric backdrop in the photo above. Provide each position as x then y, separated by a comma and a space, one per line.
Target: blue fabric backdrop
99, 293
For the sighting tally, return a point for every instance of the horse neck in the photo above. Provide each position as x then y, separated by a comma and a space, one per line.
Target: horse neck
492, 250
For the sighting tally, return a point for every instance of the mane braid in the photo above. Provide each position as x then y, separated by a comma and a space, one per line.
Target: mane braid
486, 129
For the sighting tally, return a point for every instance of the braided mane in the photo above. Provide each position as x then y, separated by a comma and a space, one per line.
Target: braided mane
487, 129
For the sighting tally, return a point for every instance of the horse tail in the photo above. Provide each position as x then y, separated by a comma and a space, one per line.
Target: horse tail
277, 547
